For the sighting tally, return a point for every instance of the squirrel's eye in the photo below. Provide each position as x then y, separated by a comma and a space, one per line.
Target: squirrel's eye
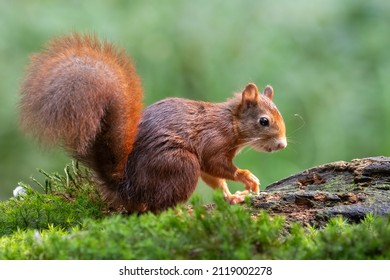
264, 121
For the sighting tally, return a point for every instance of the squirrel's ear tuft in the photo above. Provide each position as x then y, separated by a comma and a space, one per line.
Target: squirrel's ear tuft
269, 92
250, 95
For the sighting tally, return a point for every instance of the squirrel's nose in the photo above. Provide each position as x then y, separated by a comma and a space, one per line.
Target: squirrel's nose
281, 144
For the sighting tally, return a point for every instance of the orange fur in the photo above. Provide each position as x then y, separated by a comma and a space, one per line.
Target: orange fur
79, 90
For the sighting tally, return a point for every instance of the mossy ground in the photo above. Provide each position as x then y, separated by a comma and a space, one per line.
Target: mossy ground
69, 221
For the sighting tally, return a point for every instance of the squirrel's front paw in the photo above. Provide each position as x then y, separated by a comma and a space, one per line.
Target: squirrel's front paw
248, 179
237, 197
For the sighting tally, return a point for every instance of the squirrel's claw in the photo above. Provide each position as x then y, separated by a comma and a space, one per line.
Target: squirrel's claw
255, 184
237, 197
250, 181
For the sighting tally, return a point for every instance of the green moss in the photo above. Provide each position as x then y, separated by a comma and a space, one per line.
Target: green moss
67, 200
57, 225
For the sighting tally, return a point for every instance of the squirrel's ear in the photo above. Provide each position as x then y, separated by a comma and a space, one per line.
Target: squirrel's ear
250, 95
269, 92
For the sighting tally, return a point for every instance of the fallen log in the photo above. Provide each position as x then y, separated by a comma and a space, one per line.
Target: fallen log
350, 189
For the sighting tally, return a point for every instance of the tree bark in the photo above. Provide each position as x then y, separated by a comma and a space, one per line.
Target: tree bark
350, 189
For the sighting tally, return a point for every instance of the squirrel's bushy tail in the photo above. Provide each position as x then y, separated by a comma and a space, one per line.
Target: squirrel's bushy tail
85, 95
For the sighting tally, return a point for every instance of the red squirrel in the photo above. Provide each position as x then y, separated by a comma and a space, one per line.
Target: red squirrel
85, 94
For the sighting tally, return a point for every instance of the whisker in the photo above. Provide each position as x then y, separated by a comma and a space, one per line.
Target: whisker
291, 140
253, 140
249, 141
300, 127
292, 148
246, 149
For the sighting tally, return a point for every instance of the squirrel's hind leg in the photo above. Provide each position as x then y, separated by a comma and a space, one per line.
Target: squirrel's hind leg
170, 178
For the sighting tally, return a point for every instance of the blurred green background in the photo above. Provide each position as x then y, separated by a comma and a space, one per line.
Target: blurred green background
328, 61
